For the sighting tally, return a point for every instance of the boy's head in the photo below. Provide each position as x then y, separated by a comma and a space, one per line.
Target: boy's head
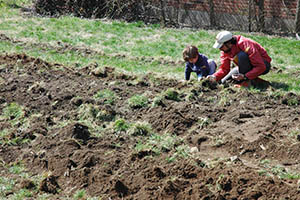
190, 54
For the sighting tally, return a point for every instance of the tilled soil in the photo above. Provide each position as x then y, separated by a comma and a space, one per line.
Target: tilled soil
233, 140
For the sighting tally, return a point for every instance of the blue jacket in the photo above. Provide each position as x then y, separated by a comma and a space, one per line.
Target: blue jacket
201, 67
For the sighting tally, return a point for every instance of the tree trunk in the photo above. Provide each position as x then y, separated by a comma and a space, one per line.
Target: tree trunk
212, 17
297, 28
250, 11
261, 15
162, 13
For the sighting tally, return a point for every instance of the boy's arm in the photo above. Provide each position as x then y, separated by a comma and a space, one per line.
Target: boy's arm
187, 72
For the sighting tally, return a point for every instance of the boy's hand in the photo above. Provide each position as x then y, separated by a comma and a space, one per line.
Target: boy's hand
200, 78
211, 78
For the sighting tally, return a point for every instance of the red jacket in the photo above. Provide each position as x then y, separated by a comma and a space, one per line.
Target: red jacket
257, 54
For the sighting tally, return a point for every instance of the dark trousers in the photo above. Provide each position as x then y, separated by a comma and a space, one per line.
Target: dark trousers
244, 66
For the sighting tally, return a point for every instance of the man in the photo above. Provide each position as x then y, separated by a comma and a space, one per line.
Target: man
250, 57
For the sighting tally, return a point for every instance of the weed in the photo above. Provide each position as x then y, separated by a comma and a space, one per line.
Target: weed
16, 169
224, 101
292, 102
278, 170
23, 194
140, 128
295, 133
13, 112
159, 143
108, 96
158, 101
219, 141
171, 94
262, 172
2, 80
181, 151
138, 101
211, 99
105, 115
171, 159
92, 112
164, 142
282, 173
204, 122
3, 135
121, 125
80, 194
140, 146
6, 186
265, 162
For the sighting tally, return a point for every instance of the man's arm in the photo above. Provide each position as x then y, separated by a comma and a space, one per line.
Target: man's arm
224, 68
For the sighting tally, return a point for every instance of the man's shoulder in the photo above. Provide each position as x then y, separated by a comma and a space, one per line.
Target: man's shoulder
242, 40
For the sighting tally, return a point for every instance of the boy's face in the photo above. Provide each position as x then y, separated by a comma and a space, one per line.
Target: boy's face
193, 60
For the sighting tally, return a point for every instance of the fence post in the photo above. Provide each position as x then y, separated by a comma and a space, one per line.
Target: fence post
297, 28
162, 13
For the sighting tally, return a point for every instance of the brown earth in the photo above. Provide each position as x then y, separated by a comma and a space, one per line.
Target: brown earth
229, 135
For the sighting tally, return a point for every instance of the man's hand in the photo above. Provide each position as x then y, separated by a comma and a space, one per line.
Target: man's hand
211, 78
238, 77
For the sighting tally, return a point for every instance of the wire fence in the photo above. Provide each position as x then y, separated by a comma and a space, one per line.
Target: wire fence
268, 16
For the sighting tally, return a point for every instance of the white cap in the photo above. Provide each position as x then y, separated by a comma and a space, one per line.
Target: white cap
222, 37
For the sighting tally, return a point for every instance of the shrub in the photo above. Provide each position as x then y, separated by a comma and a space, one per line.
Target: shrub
129, 10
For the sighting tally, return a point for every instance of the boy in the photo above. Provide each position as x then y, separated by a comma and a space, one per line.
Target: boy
196, 62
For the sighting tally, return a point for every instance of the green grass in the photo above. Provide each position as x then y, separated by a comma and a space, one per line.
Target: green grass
146, 48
